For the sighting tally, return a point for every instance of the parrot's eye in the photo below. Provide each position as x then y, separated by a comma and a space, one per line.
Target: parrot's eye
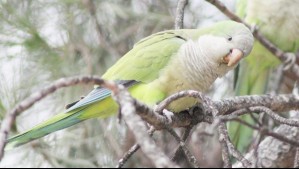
230, 39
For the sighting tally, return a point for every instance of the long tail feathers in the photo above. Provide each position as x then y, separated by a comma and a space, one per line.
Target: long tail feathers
96, 104
58, 122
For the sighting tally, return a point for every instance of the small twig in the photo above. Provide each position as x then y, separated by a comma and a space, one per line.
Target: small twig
224, 148
179, 20
232, 150
274, 116
296, 160
260, 109
191, 158
131, 151
245, 123
187, 133
225, 10
268, 133
281, 137
277, 103
233, 114
128, 155
184, 138
255, 119
255, 149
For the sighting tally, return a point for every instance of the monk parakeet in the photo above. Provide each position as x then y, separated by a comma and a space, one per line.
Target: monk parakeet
278, 21
158, 66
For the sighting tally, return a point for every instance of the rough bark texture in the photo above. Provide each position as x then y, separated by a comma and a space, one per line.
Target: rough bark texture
273, 153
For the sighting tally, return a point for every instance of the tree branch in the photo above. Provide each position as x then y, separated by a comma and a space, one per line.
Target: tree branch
179, 20
224, 148
132, 150
296, 160
138, 127
223, 134
179, 150
191, 158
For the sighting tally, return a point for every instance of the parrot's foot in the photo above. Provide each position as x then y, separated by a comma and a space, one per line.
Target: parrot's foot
290, 61
199, 114
166, 113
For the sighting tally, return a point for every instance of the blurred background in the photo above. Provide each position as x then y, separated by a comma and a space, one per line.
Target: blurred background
41, 41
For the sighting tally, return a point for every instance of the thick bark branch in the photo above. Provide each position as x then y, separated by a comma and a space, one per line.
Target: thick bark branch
139, 129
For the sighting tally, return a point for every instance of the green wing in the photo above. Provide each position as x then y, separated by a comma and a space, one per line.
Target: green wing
147, 58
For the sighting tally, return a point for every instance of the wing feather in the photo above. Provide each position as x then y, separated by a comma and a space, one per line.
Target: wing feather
147, 58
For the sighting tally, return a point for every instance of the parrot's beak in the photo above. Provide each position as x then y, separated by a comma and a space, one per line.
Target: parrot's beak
234, 56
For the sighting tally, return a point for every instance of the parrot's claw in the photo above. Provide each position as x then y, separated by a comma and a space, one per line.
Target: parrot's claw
290, 61
168, 115
165, 112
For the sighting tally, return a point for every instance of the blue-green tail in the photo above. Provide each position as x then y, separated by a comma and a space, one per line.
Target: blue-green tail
58, 122
93, 105
97, 104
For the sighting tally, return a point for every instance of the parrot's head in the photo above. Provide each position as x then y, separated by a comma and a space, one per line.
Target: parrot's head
227, 43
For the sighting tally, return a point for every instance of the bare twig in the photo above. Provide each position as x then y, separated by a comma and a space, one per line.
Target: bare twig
275, 116
296, 161
269, 133
128, 155
245, 123
179, 20
225, 10
192, 160
132, 150
284, 57
281, 137
232, 150
255, 150
179, 150
224, 148
277, 103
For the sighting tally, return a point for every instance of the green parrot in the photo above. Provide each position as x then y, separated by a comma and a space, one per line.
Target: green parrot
158, 66
278, 21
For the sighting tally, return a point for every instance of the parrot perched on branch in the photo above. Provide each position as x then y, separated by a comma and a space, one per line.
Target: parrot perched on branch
158, 66
278, 21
